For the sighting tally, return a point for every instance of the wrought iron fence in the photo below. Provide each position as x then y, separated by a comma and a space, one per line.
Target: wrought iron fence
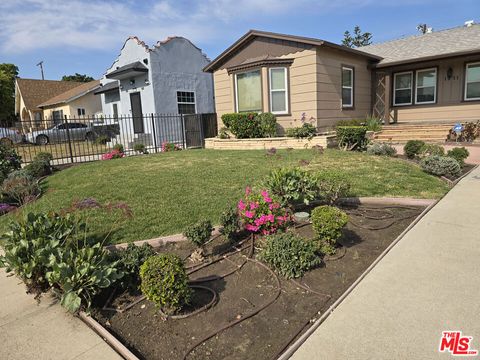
84, 138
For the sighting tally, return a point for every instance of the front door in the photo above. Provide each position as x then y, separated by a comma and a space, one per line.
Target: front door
136, 104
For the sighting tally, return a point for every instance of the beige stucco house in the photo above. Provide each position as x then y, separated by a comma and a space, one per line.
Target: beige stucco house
433, 77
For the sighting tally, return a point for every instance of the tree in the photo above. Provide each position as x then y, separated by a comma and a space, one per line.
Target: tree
77, 77
358, 39
8, 73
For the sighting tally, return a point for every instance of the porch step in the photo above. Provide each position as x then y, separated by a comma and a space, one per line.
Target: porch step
403, 133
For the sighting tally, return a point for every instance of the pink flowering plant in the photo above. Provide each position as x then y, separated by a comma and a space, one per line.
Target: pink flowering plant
261, 213
114, 154
168, 146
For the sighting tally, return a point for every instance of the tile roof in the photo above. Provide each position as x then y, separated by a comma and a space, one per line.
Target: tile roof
72, 94
34, 91
442, 43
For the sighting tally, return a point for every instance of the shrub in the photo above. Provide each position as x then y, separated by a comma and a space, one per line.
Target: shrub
165, 282
459, 153
373, 124
223, 133
20, 188
350, 122
250, 125
114, 154
327, 223
307, 130
413, 148
230, 222
441, 166
199, 233
431, 149
80, 273
102, 140
292, 186
140, 148
31, 243
9, 161
168, 146
289, 254
332, 186
119, 148
381, 149
260, 213
40, 166
352, 137
129, 262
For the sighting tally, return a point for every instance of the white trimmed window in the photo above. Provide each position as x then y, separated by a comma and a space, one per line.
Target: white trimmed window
80, 112
186, 102
472, 81
402, 94
278, 90
248, 91
347, 87
426, 86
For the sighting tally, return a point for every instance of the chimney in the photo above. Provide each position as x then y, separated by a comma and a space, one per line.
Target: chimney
469, 23
429, 30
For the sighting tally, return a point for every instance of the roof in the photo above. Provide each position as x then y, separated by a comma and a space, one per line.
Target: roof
113, 85
216, 63
135, 67
34, 91
72, 94
437, 44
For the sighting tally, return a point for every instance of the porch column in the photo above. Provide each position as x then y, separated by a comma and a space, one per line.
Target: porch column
387, 97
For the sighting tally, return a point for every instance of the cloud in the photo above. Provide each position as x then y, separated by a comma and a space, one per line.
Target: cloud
103, 24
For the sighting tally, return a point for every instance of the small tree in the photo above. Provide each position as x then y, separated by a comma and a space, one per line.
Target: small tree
77, 77
357, 39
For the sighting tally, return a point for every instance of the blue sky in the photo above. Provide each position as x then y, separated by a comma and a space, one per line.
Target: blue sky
85, 36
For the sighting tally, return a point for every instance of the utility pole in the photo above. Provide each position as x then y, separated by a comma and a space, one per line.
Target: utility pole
41, 68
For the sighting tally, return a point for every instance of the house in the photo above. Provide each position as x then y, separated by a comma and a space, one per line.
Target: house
166, 78
434, 77
38, 102
79, 102
428, 78
292, 75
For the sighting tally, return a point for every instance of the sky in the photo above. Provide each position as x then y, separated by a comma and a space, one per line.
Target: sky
85, 36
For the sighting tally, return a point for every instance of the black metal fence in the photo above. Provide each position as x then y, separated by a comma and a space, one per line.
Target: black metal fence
84, 138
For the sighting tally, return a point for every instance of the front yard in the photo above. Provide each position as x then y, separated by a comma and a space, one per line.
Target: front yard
169, 191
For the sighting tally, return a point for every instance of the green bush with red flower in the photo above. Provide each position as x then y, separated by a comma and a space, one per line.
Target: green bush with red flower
262, 214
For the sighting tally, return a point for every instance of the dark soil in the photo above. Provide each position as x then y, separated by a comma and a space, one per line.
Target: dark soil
268, 333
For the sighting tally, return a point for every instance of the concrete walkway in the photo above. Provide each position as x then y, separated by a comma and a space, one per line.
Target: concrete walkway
428, 283
43, 331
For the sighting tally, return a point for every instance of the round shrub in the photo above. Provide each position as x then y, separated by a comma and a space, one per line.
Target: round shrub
199, 233
307, 130
267, 123
164, 282
441, 166
432, 149
250, 125
352, 137
9, 161
382, 149
459, 153
327, 223
413, 148
40, 166
20, 188
289, 254
119, 148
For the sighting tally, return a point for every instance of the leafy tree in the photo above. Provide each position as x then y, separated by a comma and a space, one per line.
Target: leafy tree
8, 73
357, 39
77, 77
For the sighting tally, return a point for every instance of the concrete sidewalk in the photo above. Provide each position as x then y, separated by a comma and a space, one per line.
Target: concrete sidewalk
428, 283
43, 331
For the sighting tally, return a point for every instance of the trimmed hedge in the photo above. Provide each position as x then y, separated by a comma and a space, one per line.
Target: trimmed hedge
250, 125
352, 137
413, 148
327, 223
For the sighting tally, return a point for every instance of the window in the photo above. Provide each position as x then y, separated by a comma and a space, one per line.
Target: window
347, 87
57, 116
80, 112
186, 102
278, 91
402, 94
115, 111
472, 81
426, 86
249, 91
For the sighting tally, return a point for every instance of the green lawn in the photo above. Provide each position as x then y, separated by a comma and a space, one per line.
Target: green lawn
171, 190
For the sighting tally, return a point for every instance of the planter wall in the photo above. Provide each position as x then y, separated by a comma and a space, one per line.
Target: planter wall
268, 143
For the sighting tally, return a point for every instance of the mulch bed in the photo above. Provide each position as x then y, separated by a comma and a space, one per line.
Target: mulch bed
248, 290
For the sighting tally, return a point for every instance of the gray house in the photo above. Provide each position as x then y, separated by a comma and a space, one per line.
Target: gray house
164, 79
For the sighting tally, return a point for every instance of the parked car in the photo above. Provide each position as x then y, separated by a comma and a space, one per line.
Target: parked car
10, 137
59, 133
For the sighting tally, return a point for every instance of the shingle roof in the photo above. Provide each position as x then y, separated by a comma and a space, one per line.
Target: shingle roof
72, 94
34, 91
442, 43
113, 85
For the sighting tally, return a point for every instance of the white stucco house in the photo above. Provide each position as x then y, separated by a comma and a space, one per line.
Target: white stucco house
166, 78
